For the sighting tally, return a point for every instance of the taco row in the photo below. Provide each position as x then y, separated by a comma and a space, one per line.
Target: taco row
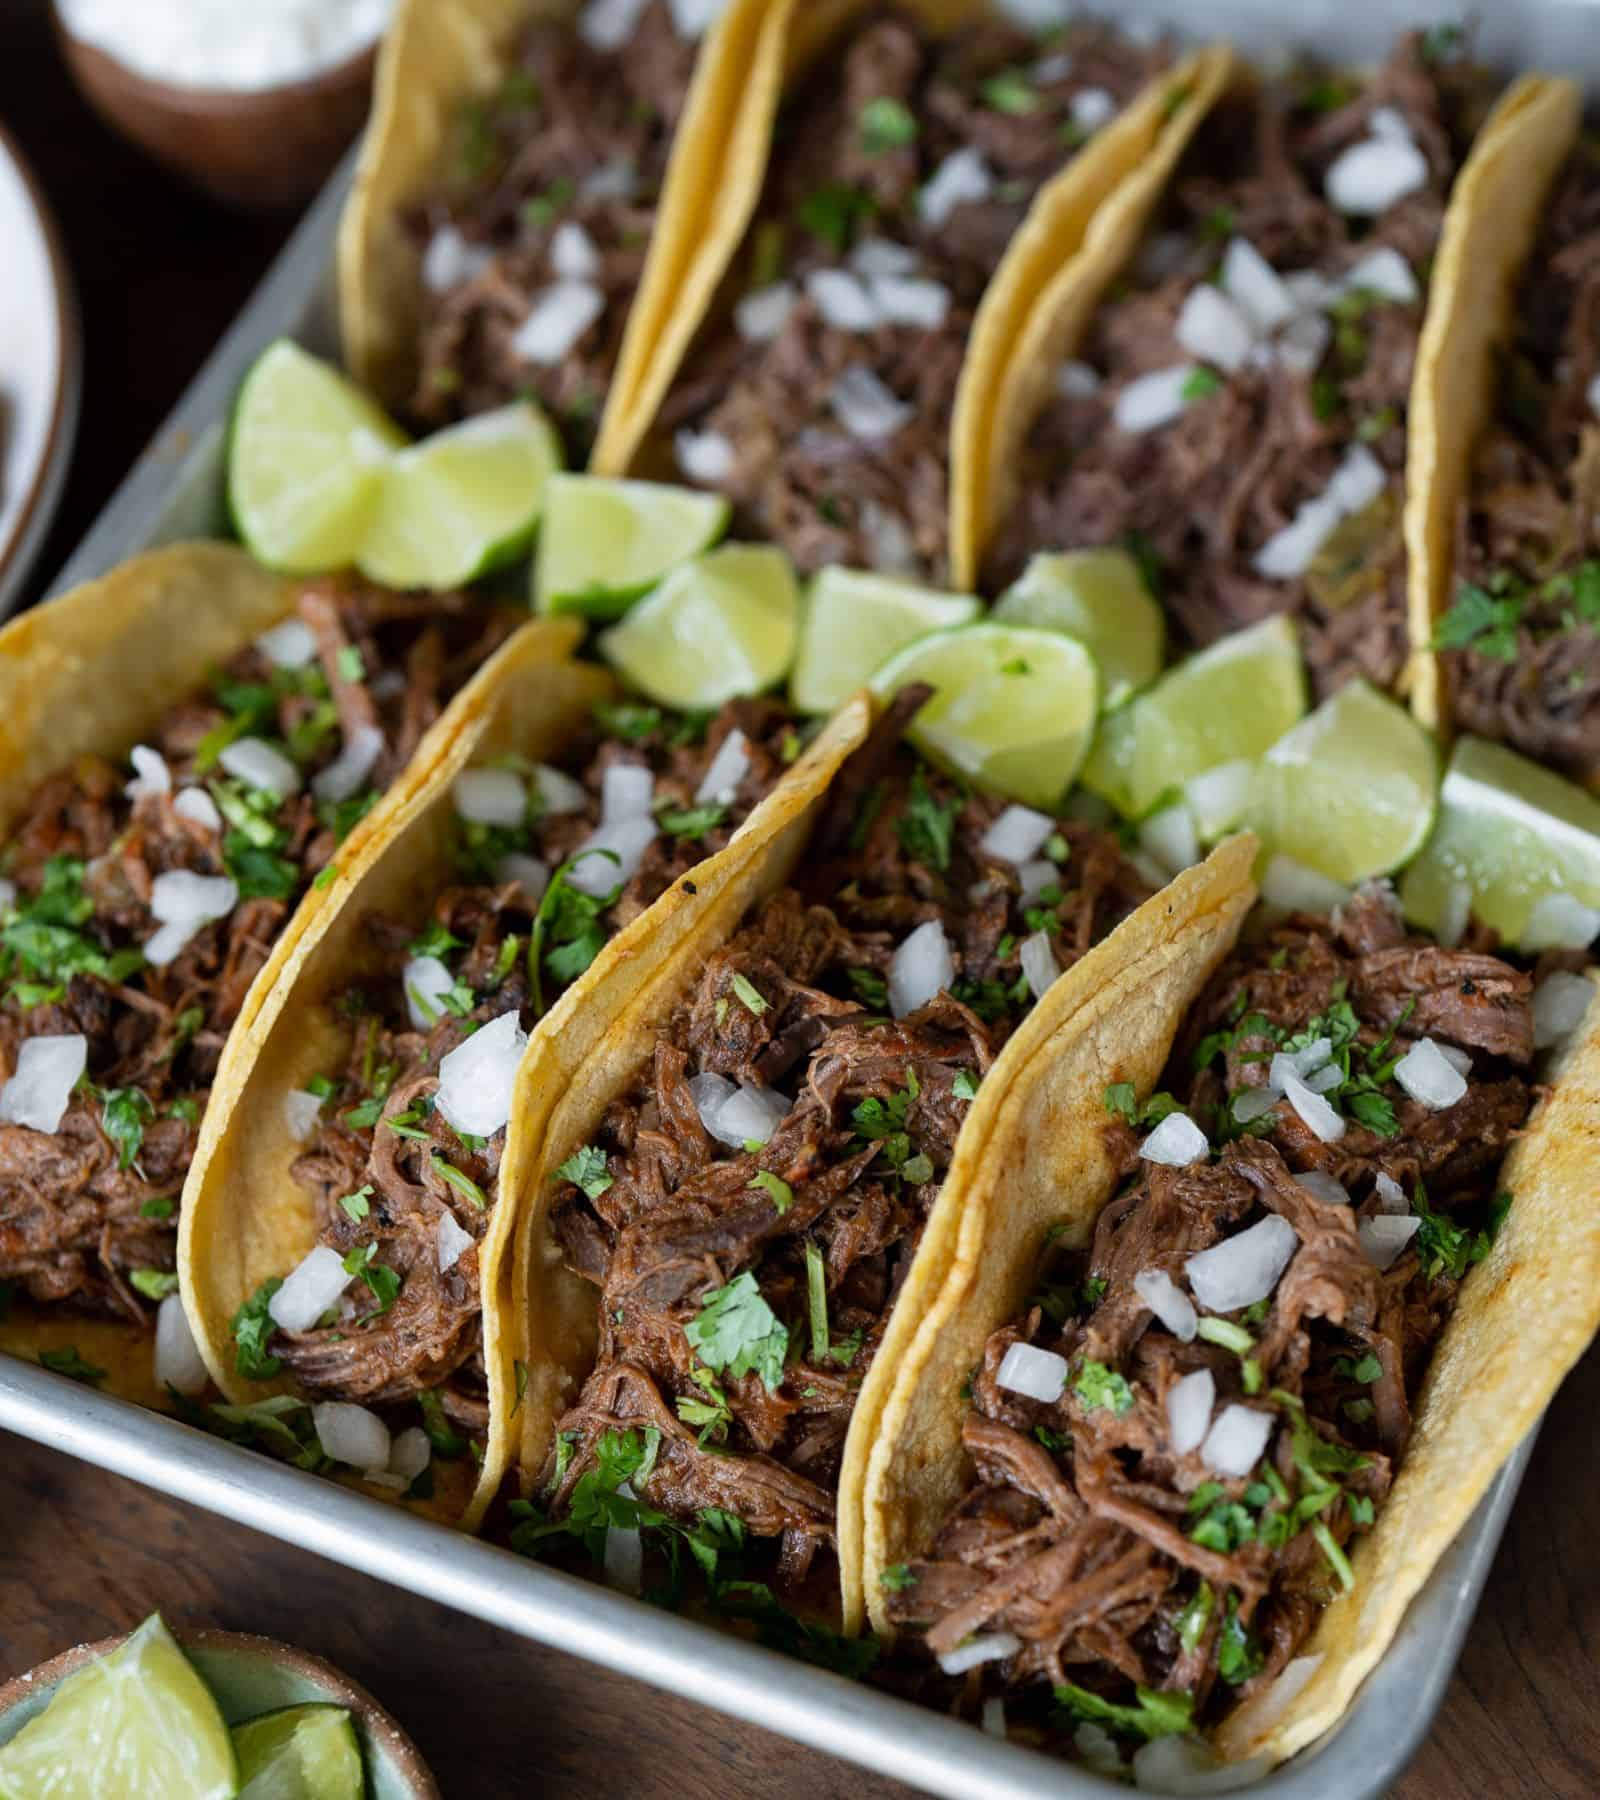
736, 1137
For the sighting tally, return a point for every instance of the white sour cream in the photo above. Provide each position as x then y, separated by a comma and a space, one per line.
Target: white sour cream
223, 44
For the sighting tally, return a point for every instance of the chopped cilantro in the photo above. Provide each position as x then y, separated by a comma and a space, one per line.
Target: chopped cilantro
586, 1169
1239, 1653
1121, 1099
349, 663
691, 822
1481, 621
461, 1182
870, 988
382, 1282
1199, 383
567, 933
750, 996
629, 720
1098, 1385
965, 1085
886, 124
926, 828
1158, 1714
1191, 1623
252, 1326
781, 1193
154, 1284
834, 212
817, 1301
358, 1204
162, 1207
445, 1442
897, 1578
123, 1113
66, 1361
1010, 92
735, 1330
1367, 1370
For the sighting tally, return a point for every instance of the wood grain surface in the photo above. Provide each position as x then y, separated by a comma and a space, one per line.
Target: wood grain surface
82, 1554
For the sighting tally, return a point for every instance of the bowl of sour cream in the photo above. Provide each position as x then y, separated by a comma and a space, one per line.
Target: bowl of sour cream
253, 102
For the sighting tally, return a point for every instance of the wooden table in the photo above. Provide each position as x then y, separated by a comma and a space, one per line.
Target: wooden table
83, 1554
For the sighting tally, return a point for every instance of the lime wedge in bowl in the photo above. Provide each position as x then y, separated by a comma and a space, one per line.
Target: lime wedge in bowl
854, 622
1515, 845
1226, 704
1012, 708
307, 455
299, 1753
721, 625
461, 502
1350, 790
604, 543
1099, 597
139, 1721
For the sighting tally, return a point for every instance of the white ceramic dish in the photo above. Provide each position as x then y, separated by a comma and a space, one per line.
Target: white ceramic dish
40, 368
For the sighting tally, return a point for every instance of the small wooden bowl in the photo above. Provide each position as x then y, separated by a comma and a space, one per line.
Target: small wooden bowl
250, 1676
261, 150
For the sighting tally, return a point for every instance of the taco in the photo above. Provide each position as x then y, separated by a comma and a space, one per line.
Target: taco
344, 1238
1239, 394
900, 184
519, 166
1218, 1429
763, 1169
193, 751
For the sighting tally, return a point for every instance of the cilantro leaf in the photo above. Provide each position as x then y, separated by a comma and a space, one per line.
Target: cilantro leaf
1098, 1385
927, 826
252, 1326
66, 1361
1157, 1714
1481, 621
737, 1331
886, 124
586, 1169
123, 1113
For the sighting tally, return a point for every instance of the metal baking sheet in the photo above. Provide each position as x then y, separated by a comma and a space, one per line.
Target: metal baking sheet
175, 491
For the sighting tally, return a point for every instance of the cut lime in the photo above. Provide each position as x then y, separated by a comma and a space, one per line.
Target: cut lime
604, 543
1227, 703
461, 502
306, 460
139, 1721
1099, 597
1509, 835
1350, 790
1013, 708
854, 622
299, 1753
719, 626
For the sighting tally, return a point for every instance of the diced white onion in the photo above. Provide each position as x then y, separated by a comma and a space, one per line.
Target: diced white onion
1185, 1765
994, 1647
1234, 1443
301, 1113
1429, 1076
1457, 1058
1039, 963
1309, 288
1040, 1374
1386, 272
1389, 122
710, 1094
1098, 1748
1017, 834
48, 1068
1170, 1304
903, 300
1289, 552
1211, 328
181, 902
151, 774
410, 1454
1316, 1113
1303, 342
178, 1362
1369, 177
694, 18
626, 792
1357, 482
451, 1240
1258, 1715
1037, 876
309, 1289
1171, 838
196, 805
1177, 1141
760, 317
920, 968
1244, 1268
557, 791
529, 873
1560, 1004
1254, 1103
348, 771
962, 178
1255, 287
1218, 797
1299, 1062
352, 1434
750, 1116
477, 1078
890, 548
1189, 1404
1322, 1186
1091, 107
559, 316
1296, 888
866, 407
882, 256
572, 253
994, 1716
1385, 1235
614, 180
1055, 67
706, 457
608, 24
426, 981
727, 769
611, 856
1153, 400
624, 1558
1559, 922
490, 797
448, 260
1077, 380
1391, 1196
290, 645
843, 300
259, 765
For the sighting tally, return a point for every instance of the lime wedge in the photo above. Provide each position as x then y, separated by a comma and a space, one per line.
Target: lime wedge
1509, 834
139, 1721
306, 459
299, 1753
1099, 597
1013, 708
1350, 790
1231, 701
461, 502
719, 626
604, 543
854, 622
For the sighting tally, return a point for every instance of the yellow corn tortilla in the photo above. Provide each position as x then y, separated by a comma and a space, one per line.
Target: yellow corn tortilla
1489, 230
1033, 1157
90, 674
438, 56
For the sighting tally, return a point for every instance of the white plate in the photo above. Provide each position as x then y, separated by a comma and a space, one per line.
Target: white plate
40, 358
